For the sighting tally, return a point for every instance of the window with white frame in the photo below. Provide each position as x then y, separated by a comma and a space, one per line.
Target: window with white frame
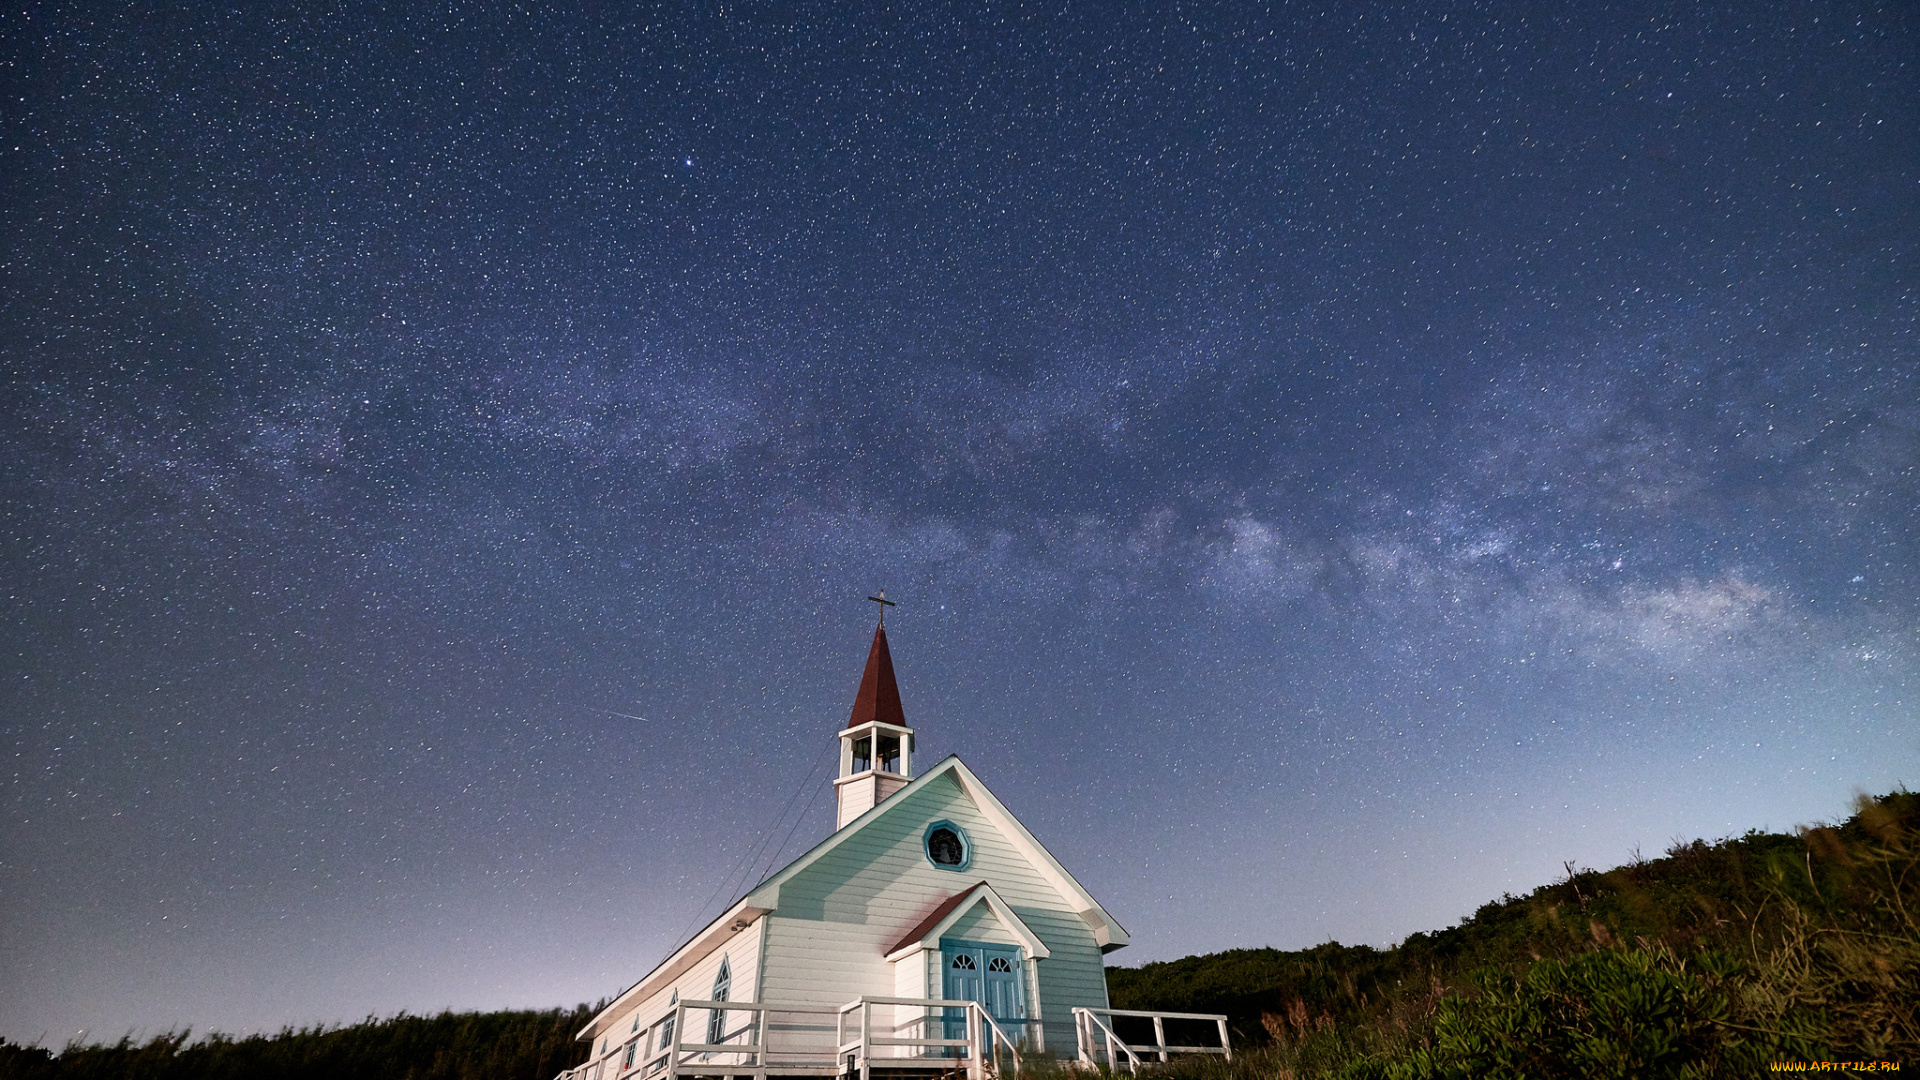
722, 986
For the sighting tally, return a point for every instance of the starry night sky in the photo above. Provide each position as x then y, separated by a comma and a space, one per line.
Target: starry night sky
1335, 463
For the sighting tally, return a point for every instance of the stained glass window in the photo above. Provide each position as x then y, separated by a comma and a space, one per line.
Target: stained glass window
944, 847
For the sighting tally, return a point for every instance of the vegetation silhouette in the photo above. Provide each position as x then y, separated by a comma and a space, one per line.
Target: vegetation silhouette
450, 1046
1711, 961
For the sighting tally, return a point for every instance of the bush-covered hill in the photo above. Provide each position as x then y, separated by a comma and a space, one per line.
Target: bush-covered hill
450, 1046
1709, 961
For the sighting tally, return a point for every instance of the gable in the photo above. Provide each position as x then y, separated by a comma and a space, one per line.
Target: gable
981, 924
885, 862
881, 858
977, 914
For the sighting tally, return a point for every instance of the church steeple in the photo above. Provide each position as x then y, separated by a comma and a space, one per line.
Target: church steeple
879, 696
876, 746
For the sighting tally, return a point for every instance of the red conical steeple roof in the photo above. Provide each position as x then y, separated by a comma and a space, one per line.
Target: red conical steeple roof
879, 696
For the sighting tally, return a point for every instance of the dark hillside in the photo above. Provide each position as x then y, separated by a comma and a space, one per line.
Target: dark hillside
450, 1046
1809, 940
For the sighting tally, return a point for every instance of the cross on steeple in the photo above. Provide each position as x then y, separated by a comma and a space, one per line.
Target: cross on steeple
884, 605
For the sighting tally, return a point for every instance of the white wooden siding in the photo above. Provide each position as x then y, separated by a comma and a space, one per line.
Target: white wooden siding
743, 956
839, 915
979, 923
910, 975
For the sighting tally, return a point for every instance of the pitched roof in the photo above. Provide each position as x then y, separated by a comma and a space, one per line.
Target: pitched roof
879, 696
765, 897
927, 934
940, 913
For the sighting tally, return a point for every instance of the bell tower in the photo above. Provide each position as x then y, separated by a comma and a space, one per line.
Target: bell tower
876, 746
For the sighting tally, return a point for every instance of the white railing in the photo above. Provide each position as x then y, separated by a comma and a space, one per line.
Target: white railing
771, 1039
1100, 1047
996, 1038
861, 1050
785, 1040
1088, 1034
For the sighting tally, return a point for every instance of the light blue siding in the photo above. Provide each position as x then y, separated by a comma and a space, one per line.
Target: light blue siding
837, 917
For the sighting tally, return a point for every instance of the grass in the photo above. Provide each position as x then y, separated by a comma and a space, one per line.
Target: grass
1711, 961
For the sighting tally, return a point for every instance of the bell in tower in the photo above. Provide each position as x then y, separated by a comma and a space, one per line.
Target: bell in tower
876, 747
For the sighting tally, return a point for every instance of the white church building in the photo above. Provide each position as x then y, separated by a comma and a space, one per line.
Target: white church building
930, 933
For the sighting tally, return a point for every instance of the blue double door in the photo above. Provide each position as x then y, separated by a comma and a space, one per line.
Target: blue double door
988, 974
